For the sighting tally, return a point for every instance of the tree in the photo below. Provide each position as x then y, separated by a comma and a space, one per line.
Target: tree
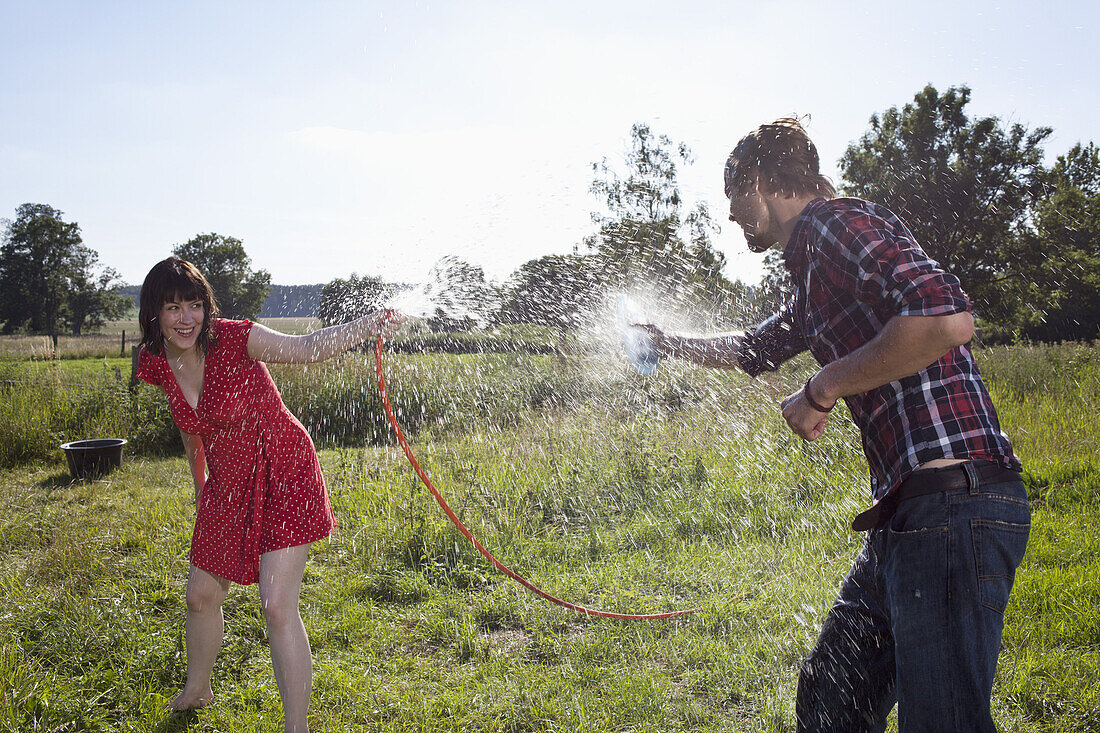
963, 186
1067, 241
48, 277
346, 300
457, 296
239, 290
93, 298
650, 238
772, 293
555, 290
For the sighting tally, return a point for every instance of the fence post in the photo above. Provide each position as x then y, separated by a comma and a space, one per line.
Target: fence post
122, 352
134, 365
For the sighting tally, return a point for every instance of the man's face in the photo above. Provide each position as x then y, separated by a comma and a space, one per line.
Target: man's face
748, 210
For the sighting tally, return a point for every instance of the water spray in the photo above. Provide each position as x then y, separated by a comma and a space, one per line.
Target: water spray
637, 342
466, 532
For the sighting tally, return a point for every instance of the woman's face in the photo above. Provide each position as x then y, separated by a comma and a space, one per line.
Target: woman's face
180, 323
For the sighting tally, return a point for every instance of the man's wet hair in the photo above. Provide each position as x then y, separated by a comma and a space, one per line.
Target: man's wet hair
784, 159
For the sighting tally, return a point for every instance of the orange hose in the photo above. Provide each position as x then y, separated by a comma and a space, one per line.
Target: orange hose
462, 528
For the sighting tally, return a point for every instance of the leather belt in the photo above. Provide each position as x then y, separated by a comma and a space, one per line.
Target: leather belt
926, 481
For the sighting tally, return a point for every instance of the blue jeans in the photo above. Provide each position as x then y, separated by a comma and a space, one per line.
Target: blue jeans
919, 618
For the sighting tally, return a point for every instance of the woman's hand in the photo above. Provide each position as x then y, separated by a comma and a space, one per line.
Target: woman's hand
196, 459
385, 323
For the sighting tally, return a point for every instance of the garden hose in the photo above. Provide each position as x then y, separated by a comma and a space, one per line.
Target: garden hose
466, 532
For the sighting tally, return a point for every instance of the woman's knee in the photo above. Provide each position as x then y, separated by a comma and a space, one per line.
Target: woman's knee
202, 598
279, 608
205, 592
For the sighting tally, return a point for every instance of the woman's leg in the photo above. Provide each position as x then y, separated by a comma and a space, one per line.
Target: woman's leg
280, 581
204, 628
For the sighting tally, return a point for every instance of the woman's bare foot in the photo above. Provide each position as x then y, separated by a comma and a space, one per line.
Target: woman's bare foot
192, 699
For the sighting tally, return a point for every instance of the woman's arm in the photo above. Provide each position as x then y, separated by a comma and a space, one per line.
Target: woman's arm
196, 459
280, 348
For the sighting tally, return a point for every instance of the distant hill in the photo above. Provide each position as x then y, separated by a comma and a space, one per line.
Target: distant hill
133, 292
283, 301
292, 300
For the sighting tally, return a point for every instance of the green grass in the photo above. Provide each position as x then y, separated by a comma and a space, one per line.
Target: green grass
1048, 397
46, 403
606, 489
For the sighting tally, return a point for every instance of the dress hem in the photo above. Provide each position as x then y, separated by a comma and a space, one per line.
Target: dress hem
192, 560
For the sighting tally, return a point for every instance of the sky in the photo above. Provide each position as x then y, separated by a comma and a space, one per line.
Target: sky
378, 137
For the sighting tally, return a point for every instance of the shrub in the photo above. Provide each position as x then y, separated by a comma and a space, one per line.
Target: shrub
44, 406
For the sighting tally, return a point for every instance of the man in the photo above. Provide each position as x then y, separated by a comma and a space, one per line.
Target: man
919, 618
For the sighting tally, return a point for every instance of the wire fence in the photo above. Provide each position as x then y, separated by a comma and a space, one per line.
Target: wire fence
96, 345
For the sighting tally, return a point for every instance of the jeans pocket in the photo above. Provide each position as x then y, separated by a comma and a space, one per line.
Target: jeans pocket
998, 549
923, 515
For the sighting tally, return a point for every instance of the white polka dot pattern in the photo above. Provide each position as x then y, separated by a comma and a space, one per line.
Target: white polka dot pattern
264, 491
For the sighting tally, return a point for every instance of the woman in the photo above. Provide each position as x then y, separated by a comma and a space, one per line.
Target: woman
258, 487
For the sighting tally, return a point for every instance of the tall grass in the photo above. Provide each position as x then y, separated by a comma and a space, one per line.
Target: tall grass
605, 488
338, 401
117, 338
1047, 394
45, 404
90, 346
1048, 398
40, 406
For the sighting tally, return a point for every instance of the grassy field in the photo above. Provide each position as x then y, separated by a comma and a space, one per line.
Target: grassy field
619, 492
113, 340
118, 338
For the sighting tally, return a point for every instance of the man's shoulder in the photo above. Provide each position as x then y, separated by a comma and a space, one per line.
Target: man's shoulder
847, 206
847, 218
836, 220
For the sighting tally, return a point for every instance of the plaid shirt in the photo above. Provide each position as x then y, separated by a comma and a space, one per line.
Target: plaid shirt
854, 266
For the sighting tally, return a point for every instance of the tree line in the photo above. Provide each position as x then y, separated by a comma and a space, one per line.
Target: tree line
1023, 238
52, 283
49, 280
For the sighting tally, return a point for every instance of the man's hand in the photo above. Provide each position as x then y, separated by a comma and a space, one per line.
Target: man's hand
660, 340
804, 420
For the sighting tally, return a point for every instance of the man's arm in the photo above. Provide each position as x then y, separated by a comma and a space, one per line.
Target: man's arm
905, 345
763, 349
720, 350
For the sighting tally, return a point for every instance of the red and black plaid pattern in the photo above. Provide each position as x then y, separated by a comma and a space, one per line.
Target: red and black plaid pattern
855, 266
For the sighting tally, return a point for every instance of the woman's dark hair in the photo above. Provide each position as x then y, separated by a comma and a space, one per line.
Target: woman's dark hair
176, 280
784, 158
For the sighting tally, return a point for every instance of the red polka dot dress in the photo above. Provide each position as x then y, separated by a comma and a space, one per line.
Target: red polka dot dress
264, 489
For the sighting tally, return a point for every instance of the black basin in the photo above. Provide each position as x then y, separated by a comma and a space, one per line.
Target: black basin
93, 458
